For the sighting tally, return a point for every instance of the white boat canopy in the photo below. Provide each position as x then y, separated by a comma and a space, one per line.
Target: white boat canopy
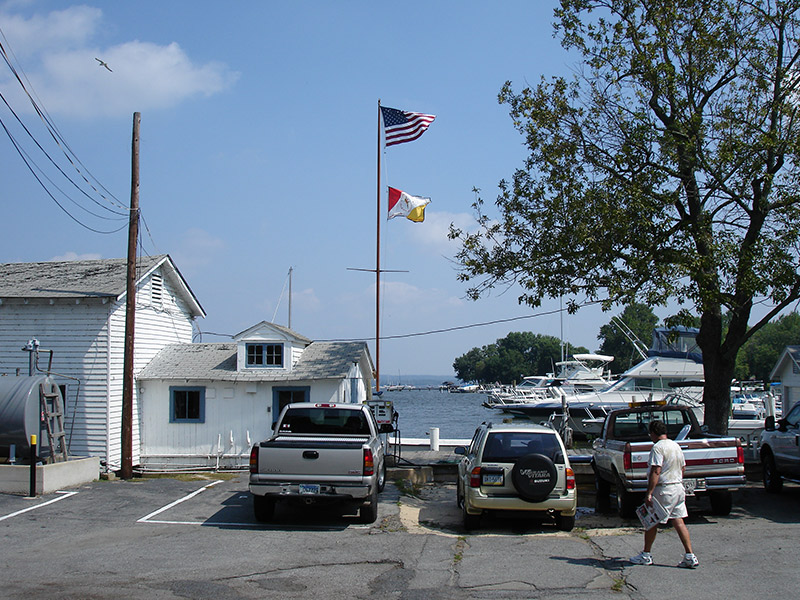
597, 357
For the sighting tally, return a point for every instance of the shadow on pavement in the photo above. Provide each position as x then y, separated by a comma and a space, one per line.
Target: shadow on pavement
237, 512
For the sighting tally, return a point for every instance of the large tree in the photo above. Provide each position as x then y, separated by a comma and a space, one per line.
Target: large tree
511, 358
664, 169
761, 352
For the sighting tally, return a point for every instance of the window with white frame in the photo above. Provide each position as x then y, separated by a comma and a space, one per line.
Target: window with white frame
264, 355
187, 404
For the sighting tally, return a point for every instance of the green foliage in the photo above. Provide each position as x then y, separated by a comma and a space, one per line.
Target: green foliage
666, 169
760, 354
511, 358
641, 321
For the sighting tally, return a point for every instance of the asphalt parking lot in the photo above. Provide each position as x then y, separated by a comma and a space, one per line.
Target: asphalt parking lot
170, 538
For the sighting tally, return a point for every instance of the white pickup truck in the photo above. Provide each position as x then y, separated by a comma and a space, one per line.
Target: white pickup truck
714, 464
780, 450
320, 453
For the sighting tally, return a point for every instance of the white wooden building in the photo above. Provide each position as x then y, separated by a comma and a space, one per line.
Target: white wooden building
77, 310
787, 370
204, 405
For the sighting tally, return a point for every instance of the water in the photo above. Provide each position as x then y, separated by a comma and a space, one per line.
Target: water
456, 415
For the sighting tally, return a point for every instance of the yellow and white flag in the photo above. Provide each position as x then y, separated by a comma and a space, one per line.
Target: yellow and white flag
406, 205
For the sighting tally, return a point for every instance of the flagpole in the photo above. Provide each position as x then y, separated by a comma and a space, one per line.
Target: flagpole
378, 267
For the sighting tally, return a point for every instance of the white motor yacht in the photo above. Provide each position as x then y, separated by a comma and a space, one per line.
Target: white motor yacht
583, 373
673, 359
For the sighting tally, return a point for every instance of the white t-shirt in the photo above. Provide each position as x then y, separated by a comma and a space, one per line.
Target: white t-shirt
668, 455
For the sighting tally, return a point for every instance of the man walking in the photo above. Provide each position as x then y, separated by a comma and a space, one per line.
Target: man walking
665, 484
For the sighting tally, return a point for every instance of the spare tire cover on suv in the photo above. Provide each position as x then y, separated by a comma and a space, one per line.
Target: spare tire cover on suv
534, 477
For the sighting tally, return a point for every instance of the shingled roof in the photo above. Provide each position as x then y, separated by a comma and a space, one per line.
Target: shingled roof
217, 362
102, 278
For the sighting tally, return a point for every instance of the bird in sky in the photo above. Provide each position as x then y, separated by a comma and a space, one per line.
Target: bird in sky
103, 64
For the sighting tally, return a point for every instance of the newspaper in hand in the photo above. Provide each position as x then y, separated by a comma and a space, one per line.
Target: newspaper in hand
650, 516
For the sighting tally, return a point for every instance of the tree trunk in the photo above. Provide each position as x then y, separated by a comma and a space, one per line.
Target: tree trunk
718, 368
717, 394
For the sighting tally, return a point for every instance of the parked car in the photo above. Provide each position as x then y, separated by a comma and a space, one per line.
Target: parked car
714, 464
320, 453
779, 449
510, 467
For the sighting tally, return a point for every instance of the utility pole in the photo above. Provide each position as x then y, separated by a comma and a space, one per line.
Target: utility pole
130, 308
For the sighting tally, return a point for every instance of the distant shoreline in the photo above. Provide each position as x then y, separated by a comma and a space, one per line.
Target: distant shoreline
416, 380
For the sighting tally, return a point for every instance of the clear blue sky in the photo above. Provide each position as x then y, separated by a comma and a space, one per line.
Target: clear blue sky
258, 153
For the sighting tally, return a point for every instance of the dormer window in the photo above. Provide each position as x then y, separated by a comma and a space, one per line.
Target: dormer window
264, 355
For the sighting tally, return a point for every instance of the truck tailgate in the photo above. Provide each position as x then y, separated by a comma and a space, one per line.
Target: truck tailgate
706, 458
310, 456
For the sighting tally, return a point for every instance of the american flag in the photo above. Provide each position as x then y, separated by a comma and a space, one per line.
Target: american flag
403, 126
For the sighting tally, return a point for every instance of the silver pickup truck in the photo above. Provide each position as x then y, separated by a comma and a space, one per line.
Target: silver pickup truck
714, 464
320, 453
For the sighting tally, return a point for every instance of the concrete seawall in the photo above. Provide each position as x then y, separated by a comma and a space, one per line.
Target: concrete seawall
416, 461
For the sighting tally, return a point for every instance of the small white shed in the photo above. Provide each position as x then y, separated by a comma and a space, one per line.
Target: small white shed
787, 370
204, 405
77, 310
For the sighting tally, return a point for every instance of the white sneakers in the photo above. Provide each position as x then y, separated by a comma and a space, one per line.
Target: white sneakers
689, 561
645, 558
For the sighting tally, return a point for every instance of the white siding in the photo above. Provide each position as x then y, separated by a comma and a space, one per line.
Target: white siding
790, 386
77, 333
87, 337
293, 350
296, 353
234, 420
791, 395
166, 322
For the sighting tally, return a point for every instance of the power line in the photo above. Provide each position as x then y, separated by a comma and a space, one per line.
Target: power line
443, 330
44, 187
117, 212
149, 234
60, 170
52, 129
461, 327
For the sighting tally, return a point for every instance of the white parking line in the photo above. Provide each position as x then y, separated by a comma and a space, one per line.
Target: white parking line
24, 510
147, 518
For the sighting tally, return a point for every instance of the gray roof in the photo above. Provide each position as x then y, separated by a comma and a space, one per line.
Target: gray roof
291, 333
70, 278
217, 362
102, 278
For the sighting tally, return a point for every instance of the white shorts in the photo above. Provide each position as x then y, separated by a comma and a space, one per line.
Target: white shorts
672, 497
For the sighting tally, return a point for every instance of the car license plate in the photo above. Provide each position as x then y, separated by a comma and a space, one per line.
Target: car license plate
309, 488
690, 485
492, 479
